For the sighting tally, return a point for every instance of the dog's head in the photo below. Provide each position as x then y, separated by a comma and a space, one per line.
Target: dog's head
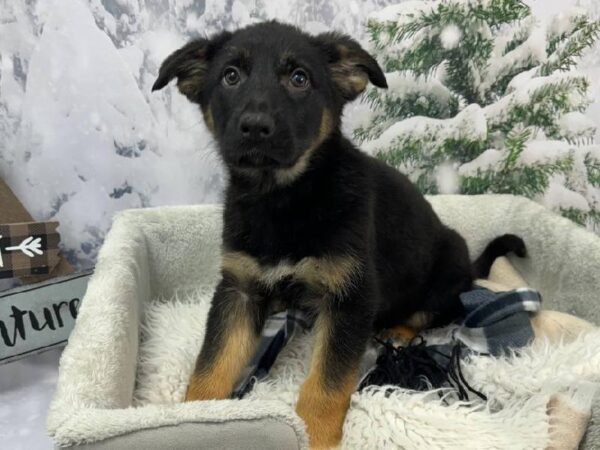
271, 94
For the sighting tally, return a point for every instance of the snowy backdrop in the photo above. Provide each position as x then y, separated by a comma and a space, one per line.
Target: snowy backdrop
485, 97
82, 137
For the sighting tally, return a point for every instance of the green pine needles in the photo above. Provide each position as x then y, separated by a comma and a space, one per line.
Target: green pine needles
483, 98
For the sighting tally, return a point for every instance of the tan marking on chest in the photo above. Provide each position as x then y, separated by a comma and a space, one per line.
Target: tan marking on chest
331, 274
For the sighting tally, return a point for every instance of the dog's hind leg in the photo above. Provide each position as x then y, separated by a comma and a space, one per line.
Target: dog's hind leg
403, 334
233, 329
450, 276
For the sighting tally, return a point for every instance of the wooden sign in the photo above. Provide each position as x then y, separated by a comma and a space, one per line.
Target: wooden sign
38, 317
35, 317
28, 249
13, 212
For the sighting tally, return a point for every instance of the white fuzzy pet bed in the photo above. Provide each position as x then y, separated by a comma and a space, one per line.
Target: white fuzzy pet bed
124, 371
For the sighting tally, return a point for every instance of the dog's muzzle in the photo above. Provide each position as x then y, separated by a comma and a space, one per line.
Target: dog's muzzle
258, 160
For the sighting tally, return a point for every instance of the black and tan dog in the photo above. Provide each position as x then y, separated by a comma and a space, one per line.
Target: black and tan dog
309, 220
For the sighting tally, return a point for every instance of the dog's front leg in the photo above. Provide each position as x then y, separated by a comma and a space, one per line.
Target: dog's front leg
342, 331
233, 328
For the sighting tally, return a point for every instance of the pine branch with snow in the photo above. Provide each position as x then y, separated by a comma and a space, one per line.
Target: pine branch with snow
565, 47
483, 94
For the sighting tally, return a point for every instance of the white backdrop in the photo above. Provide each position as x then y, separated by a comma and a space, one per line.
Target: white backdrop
81, 136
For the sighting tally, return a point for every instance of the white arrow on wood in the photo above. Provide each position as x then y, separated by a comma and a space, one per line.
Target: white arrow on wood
29, 246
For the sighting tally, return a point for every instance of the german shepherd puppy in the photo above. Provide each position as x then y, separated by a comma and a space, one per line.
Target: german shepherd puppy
309, 220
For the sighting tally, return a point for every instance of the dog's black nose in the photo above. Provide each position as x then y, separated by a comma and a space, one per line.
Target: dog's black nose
256, 125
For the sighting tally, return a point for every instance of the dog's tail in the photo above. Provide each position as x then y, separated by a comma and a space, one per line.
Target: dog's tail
500, 246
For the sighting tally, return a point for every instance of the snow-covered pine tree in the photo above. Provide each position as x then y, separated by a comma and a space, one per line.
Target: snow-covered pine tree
483, 98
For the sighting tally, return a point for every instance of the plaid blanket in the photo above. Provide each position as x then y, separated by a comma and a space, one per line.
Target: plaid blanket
494, 322
278, 330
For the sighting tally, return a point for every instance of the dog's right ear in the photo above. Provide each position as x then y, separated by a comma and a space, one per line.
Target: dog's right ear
351, 67
189, 65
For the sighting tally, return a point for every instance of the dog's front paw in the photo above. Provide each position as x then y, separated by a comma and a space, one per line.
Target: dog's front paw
324, 420
337, 446
192, 394
206, 388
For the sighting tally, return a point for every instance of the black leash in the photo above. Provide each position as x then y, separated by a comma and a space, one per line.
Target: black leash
415, 367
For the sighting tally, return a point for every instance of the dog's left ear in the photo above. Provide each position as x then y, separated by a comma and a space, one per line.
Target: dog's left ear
189, 65
350, 65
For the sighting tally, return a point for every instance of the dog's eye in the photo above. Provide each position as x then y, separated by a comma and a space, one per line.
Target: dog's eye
299, 79
231, 76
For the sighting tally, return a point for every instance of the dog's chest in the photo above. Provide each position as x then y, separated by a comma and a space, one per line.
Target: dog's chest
322, 275
282, 232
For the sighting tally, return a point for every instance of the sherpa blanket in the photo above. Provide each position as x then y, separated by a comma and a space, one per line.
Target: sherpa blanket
141, 325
